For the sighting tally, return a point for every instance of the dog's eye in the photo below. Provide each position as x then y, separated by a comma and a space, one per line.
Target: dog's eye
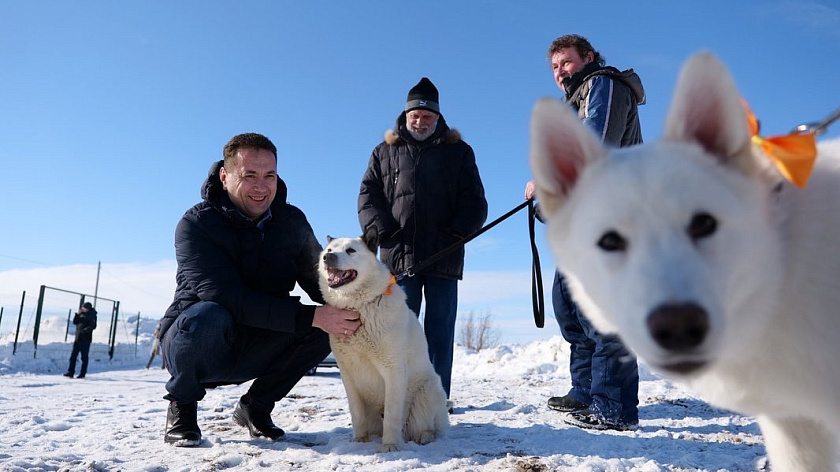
702, 225
350, 250
612, 241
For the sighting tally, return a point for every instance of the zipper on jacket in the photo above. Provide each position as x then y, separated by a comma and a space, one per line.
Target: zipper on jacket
414, 213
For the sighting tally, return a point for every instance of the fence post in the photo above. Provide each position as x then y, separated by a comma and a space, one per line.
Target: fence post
38, 321
67, 328
20, 315
115, 317
136, 333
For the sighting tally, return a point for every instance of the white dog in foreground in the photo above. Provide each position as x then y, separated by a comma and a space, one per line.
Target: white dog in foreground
392, 388
710, 267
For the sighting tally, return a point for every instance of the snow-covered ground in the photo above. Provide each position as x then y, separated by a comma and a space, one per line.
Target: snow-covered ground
114, 419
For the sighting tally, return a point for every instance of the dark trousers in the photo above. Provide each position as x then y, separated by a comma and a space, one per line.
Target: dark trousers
204, 348
441, 297
83, 348
604, 372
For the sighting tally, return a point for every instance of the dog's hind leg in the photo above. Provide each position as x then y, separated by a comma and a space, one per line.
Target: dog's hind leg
798, 445
428, 418
396, 384
420, 421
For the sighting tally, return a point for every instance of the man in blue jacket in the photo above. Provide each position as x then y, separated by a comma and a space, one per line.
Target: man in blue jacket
605, 375
423, 193
240, 253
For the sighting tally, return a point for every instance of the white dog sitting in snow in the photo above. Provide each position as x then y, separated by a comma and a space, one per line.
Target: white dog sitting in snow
391, 385
708, 266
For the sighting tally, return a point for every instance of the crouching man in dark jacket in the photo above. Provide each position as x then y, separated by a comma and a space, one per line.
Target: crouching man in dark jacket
240, 253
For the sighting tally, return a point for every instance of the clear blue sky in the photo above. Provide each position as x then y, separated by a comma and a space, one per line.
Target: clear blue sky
112, 112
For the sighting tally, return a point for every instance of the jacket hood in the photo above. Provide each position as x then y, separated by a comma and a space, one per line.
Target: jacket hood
627, 77
634, 82
443, 133
214, 193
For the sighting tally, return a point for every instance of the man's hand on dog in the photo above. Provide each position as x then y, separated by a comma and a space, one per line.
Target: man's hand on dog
340, 323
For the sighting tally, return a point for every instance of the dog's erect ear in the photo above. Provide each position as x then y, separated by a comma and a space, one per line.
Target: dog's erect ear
329, 239
371, 238
561, 146
706, 109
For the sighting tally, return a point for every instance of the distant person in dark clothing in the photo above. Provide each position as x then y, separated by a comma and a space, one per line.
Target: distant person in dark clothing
240, 254
85, 321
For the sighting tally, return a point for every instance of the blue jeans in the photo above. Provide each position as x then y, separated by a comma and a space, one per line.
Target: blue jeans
604, 373
439, 321
82, 348
204, 348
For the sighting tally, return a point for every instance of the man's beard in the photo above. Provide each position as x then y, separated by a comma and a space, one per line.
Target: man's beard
421, 136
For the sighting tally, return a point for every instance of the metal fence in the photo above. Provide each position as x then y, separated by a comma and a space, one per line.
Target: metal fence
48, 322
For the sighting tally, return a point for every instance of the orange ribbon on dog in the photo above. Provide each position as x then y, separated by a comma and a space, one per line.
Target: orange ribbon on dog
793, 154
391, 283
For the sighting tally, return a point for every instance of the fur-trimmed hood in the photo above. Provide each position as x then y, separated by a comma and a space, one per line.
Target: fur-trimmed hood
443, 133
422, 197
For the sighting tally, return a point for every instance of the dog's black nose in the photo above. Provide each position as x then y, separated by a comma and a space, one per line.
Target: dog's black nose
330, 258
678, 327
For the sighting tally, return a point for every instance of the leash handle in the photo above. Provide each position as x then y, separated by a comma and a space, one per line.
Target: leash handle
411, 271
537, 298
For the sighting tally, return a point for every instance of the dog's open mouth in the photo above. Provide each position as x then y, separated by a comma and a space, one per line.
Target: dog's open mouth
336, 278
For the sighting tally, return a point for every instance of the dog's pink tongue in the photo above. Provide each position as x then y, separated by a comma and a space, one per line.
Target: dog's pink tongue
334, 277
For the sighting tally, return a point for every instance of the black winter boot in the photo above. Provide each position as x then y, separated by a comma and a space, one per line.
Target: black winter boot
566, 403
257, 421
182, 424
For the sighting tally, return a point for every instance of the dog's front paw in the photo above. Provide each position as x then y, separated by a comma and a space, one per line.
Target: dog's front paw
424, 437
388, 448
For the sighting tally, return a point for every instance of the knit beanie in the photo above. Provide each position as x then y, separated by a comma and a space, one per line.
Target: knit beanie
424, 95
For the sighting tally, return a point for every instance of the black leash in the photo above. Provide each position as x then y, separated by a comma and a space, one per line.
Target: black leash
536, 273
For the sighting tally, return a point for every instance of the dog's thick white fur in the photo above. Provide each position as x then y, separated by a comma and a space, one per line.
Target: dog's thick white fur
708, 265
392, 388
